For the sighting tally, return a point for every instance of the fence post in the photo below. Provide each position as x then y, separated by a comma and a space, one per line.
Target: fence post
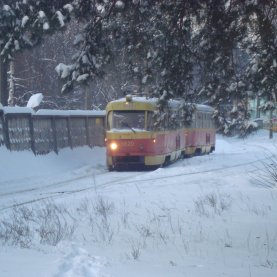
6, 132
31, 126
69, 132
87, 132
54, 130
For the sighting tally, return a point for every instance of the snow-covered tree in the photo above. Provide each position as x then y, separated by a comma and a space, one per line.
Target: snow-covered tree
24, 23
220, 31
219, 52
262, 47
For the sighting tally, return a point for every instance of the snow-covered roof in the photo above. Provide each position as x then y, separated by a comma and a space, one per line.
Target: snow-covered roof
70, 112
13, 110
26, 110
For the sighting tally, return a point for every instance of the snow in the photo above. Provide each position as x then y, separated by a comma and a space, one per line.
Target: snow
6, 8
79, 263
138, 99
16, 109
71, 112
35, 100
203, 216
63, 70
60, 18
68, 7
144, 79
100, 8
119, 4
82, 77
127, 130
41, 14
263, 80
16, 44
24, 21
78, 38
46, 26
85, 59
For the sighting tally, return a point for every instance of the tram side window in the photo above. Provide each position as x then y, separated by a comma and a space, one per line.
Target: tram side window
201, 120
150, 121
173, 120
110, 121
165, 121
210, 120
154, 124
193, 123
199, 123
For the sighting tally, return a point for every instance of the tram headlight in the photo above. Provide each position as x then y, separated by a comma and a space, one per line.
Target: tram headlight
113, 146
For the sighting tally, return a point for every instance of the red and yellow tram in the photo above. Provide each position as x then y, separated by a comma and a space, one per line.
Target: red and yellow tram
133, 140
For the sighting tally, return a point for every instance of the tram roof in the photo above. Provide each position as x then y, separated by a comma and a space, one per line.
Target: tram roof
151, 103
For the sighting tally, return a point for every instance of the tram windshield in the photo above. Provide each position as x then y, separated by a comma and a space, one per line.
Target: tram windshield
122, 120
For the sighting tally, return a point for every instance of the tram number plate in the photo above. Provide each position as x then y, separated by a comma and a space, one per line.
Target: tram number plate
128, 143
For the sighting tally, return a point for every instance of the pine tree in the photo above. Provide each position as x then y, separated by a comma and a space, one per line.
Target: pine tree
219, 52
218, 38
24, 23
262, 47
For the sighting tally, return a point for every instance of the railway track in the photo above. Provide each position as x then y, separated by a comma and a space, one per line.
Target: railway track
117, 179
37, 188
56, 194
122, 180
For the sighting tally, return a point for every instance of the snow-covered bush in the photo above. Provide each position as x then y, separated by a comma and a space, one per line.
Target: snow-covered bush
268, 175
25, 226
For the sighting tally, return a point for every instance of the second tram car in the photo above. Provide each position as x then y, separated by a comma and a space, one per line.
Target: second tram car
133, 140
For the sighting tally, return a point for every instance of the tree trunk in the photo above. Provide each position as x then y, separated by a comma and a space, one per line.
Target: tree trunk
11, 101
258, 112
270, 124
3, 83
88, 98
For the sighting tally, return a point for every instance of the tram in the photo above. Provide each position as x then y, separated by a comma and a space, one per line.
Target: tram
134, 141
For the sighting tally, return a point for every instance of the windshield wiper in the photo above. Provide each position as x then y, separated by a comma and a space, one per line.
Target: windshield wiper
127, 125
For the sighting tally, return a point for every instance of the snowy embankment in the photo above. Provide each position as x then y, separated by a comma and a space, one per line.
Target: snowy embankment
212, 215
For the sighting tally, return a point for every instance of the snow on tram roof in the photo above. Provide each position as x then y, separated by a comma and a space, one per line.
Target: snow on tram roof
133, 98
172, 102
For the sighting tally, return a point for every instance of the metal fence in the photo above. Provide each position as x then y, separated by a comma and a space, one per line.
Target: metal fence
50, 130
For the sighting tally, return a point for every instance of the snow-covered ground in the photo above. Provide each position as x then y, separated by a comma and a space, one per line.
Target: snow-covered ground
209, 216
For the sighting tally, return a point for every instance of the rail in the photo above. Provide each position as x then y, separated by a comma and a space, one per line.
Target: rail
50, 130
